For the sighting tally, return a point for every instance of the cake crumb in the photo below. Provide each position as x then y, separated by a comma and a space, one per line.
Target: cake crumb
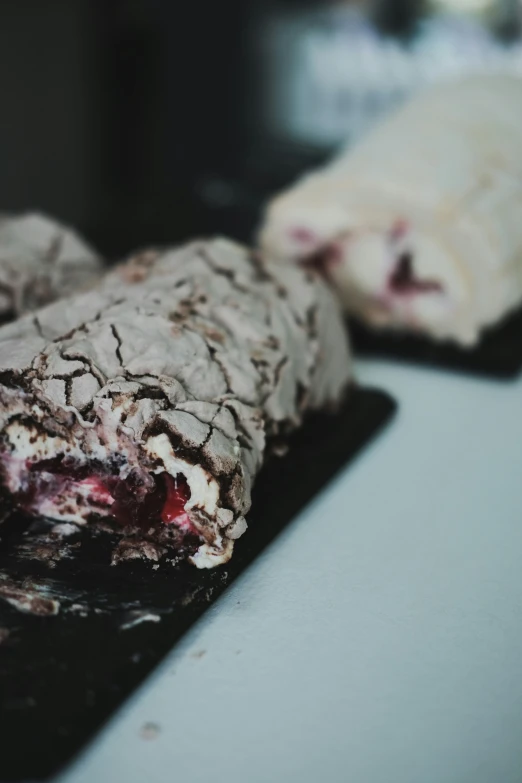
135, 618
65, 529
150, 730
136, 549
27, 598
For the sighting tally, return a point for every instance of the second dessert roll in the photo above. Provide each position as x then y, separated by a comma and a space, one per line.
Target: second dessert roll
41, 260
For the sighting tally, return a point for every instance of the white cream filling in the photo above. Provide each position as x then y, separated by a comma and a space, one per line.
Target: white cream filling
209, 556
204, 489
69, 506
204, 493
29, 444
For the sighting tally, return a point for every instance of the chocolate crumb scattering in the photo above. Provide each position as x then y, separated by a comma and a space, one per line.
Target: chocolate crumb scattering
40, 261
27, 598
46, 549
151, 402
136, 549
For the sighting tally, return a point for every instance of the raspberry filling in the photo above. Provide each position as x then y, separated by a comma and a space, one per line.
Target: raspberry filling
403, 280
178, 493
303, 236
129, 502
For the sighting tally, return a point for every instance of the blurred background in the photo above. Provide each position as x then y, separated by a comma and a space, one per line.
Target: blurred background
149, 121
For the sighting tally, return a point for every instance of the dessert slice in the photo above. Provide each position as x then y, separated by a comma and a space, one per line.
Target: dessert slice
40, 261
418, 226
153, 400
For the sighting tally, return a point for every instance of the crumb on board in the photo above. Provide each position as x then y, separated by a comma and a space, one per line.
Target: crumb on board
64, 529
78, 608
136, 549
150, 730
136, 618
46, 549
27, 598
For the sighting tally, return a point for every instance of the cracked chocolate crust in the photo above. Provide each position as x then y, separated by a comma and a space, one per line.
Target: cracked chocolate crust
40, 261
153, 400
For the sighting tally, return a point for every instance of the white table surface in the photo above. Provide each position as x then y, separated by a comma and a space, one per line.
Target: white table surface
378, 639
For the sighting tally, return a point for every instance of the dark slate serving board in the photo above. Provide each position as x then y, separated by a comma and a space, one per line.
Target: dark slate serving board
62, 675
498, 354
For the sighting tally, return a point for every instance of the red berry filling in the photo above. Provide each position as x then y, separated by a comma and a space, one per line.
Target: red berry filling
174, 506
403, 280
399, 229
128, 500
303, 235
